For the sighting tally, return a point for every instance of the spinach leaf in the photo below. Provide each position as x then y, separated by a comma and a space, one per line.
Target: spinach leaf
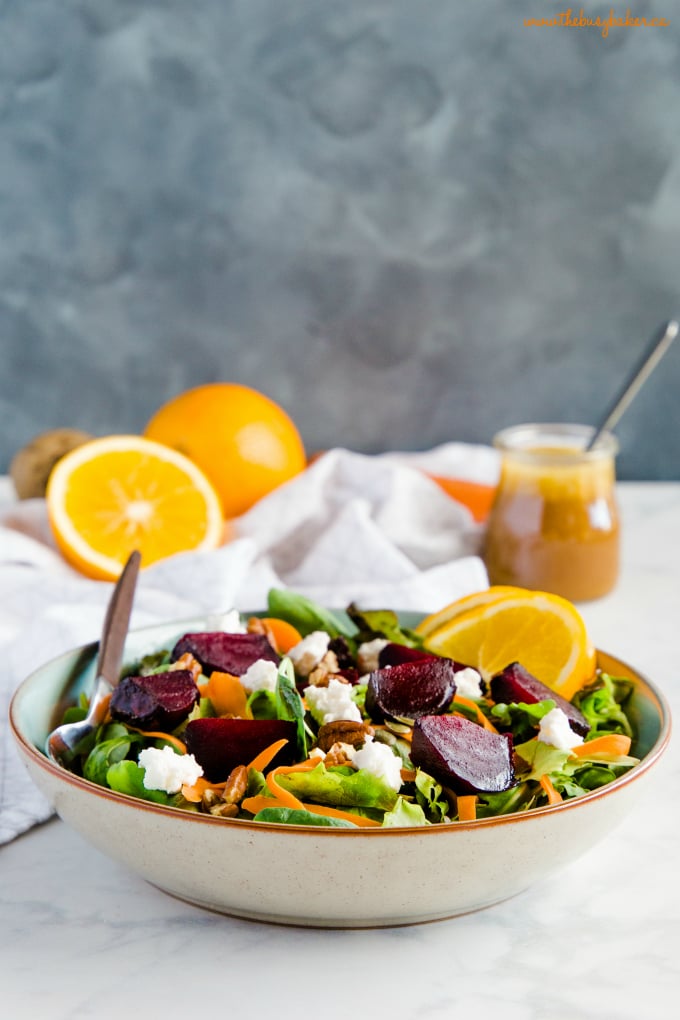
128, 777
382, 623
105, 754
296, 816
289, 705
306, 615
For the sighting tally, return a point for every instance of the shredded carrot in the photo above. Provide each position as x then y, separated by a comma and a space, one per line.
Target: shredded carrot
158, 735
285, 635
608, 743
260, 761
227, 694
195, 793
553, 795
467, 808
285, 797
458, 699
259, 802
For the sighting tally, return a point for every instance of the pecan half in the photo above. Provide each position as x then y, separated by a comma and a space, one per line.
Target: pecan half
344, 731
235, 789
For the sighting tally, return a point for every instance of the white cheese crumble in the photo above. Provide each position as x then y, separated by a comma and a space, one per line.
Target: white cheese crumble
468, 683
555, 730
309, 652
368, 655
379, 759
165, 770
260, 676
329, 704
231, 623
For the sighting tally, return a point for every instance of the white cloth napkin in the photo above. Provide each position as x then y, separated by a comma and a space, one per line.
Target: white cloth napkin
373, 529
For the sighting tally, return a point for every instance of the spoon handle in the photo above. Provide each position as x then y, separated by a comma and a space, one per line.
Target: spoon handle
656, 349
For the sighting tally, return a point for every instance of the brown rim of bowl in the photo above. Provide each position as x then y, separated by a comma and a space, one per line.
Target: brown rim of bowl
655, 752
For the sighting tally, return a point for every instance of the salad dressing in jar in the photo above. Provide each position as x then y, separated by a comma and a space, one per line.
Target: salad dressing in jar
554, 523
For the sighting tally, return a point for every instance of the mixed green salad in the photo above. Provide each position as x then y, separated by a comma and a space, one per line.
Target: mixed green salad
311, 717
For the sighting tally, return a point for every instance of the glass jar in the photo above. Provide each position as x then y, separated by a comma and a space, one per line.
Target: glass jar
554, 523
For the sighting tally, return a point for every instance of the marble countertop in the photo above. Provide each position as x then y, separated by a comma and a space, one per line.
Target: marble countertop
82, 938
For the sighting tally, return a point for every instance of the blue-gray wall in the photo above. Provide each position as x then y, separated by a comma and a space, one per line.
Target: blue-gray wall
407, 222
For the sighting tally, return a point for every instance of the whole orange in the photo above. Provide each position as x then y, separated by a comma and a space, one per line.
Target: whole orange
244, 442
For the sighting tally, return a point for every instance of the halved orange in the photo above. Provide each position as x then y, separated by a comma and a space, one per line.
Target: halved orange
544, 632
437, 620
112, 495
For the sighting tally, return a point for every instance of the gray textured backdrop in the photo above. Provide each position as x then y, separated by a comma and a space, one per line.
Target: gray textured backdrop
407, 222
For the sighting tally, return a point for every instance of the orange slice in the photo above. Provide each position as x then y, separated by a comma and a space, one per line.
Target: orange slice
544, 632
112, 495
437, 620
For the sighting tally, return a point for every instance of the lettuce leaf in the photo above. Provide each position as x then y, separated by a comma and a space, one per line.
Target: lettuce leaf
382, 623
520, 718
406, 813
431, 797
107, 753
601, 703
339, 787
306, 615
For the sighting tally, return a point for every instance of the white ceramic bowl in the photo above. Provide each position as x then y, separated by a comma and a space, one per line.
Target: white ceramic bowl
322, 877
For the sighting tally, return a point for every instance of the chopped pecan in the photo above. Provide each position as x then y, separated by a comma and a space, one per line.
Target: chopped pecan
345, 731
257, 626
235, 789
324, 670
187, 661
337, 755
222, 810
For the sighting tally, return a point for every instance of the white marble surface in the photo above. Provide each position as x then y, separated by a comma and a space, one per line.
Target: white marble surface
81, 938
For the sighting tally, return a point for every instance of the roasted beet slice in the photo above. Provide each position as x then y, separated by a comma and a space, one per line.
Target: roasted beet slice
219, 745
160, 701
463, 755
515, 683
227, 653
412, 689
394, 654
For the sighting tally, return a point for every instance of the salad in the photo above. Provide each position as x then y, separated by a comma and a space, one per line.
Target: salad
311, 717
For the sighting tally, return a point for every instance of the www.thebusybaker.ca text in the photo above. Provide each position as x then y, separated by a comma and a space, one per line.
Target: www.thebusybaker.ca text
567, 19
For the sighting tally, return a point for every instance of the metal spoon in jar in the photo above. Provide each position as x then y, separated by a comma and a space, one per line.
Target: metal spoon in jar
652, 355
67, 740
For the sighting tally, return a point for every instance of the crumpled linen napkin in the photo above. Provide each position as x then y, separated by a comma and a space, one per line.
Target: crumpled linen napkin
373, 529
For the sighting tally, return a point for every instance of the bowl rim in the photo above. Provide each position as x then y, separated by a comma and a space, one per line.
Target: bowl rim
40, 759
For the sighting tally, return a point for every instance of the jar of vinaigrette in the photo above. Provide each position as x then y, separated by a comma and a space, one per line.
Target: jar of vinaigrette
554, 523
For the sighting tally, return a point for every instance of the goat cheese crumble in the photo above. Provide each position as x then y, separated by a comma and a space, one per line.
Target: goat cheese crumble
468, 683
555, 730
329, 704
309, 652
166, 770
260, 676
379, 759
368, 655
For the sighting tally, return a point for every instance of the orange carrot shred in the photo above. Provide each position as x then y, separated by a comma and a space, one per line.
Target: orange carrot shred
158, 735
553, 795
195, 793
608, 743
227, 694
259, 802
285, 635
467, 808
260, 761
458, 699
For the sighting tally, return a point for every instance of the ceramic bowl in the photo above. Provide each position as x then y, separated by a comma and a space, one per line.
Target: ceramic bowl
322, 877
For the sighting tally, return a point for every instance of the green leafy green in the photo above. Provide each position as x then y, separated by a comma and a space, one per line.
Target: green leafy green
543, 759
105, 754
382, 623
517, 798
297, 816
602, 705
340, 787
128, 777
262, 704
431, 797
404, 813
154, 662
289, 706
520, 718
306, 615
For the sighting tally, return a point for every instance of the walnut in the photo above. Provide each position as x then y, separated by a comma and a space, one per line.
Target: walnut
337, 755
325, 669
257, 626
187, 661
344, 731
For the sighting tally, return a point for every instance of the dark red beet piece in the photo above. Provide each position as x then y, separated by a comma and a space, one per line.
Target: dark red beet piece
160, 701
394, 654
219, 745
463, 755
515, 683
412, 689
226, 653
